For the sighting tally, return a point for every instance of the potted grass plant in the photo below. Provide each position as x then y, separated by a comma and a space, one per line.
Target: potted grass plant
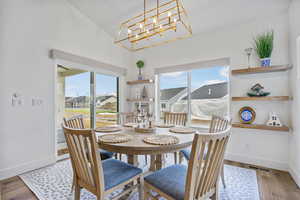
263, 45
140, 64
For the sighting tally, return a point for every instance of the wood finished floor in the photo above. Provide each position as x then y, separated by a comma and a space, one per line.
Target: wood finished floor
273, 185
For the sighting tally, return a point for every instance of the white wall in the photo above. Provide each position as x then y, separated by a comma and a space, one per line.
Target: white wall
294, 160
264, 148
28, 30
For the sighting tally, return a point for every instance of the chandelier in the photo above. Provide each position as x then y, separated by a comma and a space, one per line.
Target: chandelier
163, 23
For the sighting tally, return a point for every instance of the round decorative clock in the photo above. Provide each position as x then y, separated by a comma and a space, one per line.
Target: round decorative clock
247, 115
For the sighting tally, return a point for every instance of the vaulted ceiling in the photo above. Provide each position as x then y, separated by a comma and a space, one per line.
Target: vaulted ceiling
204, 15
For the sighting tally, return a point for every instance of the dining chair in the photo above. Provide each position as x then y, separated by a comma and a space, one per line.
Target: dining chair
78, 123
217, 124
198, 180
99, 178
129, 117
177, 119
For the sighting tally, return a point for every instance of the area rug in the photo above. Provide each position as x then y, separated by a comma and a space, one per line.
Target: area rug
54, 183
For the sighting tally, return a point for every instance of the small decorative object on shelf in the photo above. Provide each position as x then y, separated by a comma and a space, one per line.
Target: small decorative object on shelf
263, 45
247, 115
257, 91
137, 93
140, 64
274, 120
249, 52
144, 93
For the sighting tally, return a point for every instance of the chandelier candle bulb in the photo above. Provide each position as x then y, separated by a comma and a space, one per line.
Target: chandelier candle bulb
169, 16
154, 20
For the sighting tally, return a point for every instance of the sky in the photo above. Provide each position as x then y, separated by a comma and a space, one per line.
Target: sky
78, 85
199, 77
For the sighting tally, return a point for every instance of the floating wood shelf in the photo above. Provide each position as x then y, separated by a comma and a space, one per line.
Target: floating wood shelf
255, 70
268, 98
260, 127
141, 100
135, 82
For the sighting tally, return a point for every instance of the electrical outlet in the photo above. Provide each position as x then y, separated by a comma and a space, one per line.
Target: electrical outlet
36, 102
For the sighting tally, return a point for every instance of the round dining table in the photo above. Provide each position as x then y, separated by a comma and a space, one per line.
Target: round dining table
136, 146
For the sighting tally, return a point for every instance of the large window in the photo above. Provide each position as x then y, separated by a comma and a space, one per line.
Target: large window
173, 87
201, 93
106, 100
91, 94
76, 95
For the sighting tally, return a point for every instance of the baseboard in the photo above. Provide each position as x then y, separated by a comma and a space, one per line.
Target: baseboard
25, 167
295, 175
257, 161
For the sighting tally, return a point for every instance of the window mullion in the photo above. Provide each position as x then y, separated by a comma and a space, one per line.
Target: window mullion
157, 99
93, 99
189, 77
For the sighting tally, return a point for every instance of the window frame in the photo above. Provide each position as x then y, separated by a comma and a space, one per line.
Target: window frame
93, 86
189, 88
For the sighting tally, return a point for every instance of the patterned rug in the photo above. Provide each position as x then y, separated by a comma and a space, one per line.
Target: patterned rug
54, 183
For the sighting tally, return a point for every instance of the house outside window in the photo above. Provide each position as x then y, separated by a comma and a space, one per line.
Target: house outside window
201, 93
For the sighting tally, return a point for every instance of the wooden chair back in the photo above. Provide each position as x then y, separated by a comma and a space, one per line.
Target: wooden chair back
174, 118
85, 159
75, 122
204, 168
218, 124
127, 117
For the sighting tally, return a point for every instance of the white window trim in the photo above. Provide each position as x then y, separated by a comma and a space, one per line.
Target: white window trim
89, 65
189, 82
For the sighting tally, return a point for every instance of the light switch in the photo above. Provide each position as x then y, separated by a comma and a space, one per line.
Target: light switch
16, 100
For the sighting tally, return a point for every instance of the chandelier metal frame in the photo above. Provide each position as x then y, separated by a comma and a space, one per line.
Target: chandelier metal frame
158, 21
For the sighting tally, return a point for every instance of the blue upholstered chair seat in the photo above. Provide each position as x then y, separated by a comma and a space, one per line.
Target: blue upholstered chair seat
117, 172
105, 154
170, 180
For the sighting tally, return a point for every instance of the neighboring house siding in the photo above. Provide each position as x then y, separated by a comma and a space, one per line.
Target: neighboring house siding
170, 96
77, 102
83, 101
